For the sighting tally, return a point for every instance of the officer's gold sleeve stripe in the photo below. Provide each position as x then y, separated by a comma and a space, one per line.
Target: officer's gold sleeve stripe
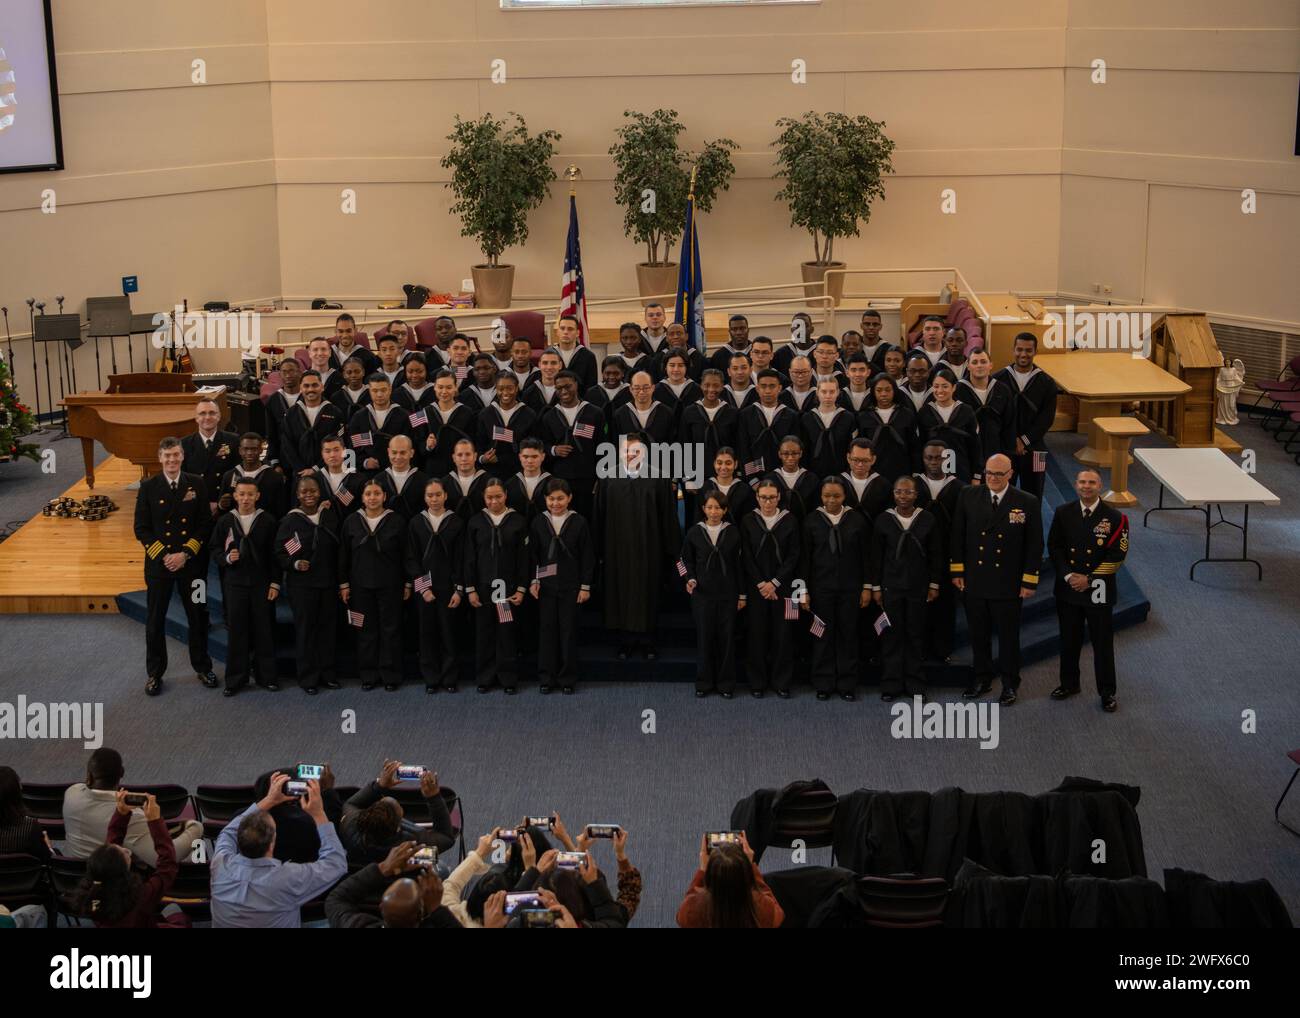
957, 567
154, 549
1029, 578
193, 545
1106, 569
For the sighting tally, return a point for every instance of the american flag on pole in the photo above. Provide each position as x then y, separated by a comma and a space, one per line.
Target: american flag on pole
791, 608
362, 438
573, 291
690, 289
423, 583
503, 435
356, 619
419, 419
882, 623
818, 627
584, 431
293, 545
503, 612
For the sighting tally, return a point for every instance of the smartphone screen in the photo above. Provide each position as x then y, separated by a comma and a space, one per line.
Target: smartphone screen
522, 899
311, 772
409, 772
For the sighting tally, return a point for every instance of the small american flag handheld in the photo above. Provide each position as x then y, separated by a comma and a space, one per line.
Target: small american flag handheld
791, 608
423, 583
344, 496
230, 538
818, 627
545, 571
503, 435
293, 545
419, 419
882, 623
1040, 461
681, 568
503, 612
584, 431
356, 619
461, 372
753, 467
362, 439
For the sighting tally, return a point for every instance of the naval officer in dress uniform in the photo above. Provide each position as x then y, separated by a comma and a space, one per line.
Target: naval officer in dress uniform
997, 546
1087, 543
172, 522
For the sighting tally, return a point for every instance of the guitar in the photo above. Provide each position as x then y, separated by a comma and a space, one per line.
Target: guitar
175, 357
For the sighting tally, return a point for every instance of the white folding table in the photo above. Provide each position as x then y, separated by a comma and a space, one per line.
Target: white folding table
1201, 479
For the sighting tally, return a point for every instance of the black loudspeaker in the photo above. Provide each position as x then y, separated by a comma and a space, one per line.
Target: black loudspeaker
247, 412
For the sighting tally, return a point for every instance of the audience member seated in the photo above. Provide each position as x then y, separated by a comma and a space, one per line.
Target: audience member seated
88, 808
114, 896
250, 886
297, 838
19, 833
729, 892
374, 822
409, 895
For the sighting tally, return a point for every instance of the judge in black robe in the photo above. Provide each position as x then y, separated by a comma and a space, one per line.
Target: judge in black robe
639, 537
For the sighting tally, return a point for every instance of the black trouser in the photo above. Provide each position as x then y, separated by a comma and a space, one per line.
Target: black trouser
769, 658
983, 616
903, 643
250, 635
495, 645
315, 632
379, 640
1027, 480
835, 652
557, 650
715, 631
526, 625
940, 621
1099, 622
437, 642
158, 597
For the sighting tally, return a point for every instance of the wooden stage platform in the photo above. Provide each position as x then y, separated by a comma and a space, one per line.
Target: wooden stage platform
60, 566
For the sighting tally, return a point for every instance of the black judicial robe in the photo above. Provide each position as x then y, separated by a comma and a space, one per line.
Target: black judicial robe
639, 537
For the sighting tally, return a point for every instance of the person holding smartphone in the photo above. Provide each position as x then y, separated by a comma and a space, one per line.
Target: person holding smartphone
374, 821
728, 891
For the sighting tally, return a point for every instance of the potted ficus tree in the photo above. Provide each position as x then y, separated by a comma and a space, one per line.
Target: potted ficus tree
833, 166
499, 173
652, 178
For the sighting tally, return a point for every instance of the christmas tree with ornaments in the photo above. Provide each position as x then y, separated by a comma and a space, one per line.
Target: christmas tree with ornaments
16, 420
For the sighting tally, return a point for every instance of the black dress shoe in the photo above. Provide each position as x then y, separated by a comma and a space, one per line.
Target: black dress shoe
823, 696
368, 686
544, 689
391, 687
1109, 704
727, 696
154, 686
310, 690
1008, 697
568, 690
332, 684
484, 689
700, 694
784, 694
1062, 692
977, 689
757, 694
209, 679
229, 691
848, 697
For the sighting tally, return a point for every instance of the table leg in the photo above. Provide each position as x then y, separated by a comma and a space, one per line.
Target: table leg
1119, 496
1098, 450
1244, 527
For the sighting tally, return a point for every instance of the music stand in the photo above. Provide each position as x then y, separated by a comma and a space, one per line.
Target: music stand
144, 325
65, 330
108, 317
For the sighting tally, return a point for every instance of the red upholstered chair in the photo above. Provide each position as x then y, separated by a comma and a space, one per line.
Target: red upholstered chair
302, 357
425, 335
531, 325
271, 384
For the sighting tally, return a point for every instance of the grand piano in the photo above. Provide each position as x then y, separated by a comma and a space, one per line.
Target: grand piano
134, 414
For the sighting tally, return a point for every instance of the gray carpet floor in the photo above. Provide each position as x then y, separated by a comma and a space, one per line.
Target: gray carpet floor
1210, 651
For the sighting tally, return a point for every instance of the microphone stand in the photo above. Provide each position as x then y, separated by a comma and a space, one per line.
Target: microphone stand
36, 377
